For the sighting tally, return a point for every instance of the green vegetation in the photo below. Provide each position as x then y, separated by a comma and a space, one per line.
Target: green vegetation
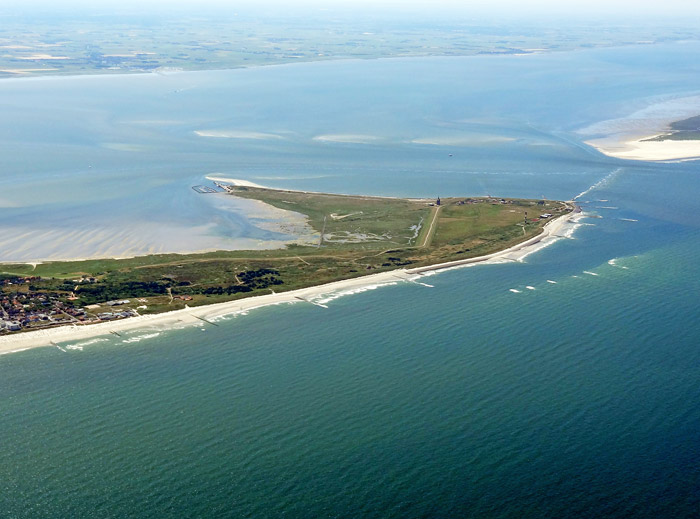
692, 124
351, 222
358, 235
96, 39
685, 130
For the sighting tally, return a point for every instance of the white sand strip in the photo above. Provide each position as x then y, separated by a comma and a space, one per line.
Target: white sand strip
194, 316
216, 177
550, 233
627, 137
643, 149
234, 181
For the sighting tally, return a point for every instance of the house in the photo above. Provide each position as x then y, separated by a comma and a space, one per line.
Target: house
13, 326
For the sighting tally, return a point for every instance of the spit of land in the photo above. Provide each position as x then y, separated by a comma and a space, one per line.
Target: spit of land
362, 240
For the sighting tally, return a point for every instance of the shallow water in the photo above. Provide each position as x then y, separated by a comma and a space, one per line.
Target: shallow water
565, 386
103, 165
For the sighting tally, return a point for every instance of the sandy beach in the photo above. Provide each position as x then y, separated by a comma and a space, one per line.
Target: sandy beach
552, 232
627, 137
641, 148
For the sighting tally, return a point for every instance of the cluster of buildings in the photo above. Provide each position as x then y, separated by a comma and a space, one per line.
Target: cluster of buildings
28, 309
35, 310
489, 200
109, 316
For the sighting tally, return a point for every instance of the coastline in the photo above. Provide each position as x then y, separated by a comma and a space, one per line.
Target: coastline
641, 148
628, 137
194, 316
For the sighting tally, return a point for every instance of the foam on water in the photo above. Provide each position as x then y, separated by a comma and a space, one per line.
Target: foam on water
139, 338
614, 263
14, 351
88, 342
602, 183
324, 299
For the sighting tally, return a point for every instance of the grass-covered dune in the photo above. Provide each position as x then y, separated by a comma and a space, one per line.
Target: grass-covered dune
358, 235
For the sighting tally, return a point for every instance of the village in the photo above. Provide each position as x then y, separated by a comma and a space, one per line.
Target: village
22, 308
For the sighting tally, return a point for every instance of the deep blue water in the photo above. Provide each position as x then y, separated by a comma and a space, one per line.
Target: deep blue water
576, 399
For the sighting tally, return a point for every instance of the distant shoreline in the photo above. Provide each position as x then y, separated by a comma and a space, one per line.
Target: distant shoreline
639, 136
645, 149
198, 316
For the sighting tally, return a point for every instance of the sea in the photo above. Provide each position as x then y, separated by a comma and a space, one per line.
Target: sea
563, 386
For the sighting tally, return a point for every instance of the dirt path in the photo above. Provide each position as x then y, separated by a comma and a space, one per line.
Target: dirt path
431, 230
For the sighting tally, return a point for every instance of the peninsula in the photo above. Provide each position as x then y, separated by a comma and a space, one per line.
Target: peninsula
362, 240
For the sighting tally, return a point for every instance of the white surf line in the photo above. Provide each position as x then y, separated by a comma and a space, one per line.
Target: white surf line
53, 343
613, 263
14, 351
628, 219
41, 338
414, 281
309, 301
602, 182
589, 273
204, 320
530, 246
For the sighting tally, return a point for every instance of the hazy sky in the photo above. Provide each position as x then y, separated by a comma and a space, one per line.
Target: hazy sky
506, 8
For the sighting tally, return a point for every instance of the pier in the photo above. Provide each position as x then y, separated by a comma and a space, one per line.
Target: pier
208, 189
203, 319
204, 189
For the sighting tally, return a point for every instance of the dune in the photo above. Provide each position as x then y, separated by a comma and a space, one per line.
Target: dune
193, 316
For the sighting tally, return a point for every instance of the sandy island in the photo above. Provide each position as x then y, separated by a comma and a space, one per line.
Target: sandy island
195, 316
640, 148
627, 137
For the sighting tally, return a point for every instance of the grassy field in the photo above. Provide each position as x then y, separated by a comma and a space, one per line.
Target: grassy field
685, 130
351, 222
678, 136
360, 235
94, 39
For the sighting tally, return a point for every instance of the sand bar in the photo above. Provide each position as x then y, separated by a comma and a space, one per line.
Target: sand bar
193, 316
347, 138
643, 149
237, 134
627, 137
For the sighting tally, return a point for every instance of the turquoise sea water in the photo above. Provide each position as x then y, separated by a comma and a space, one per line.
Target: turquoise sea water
577, 398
